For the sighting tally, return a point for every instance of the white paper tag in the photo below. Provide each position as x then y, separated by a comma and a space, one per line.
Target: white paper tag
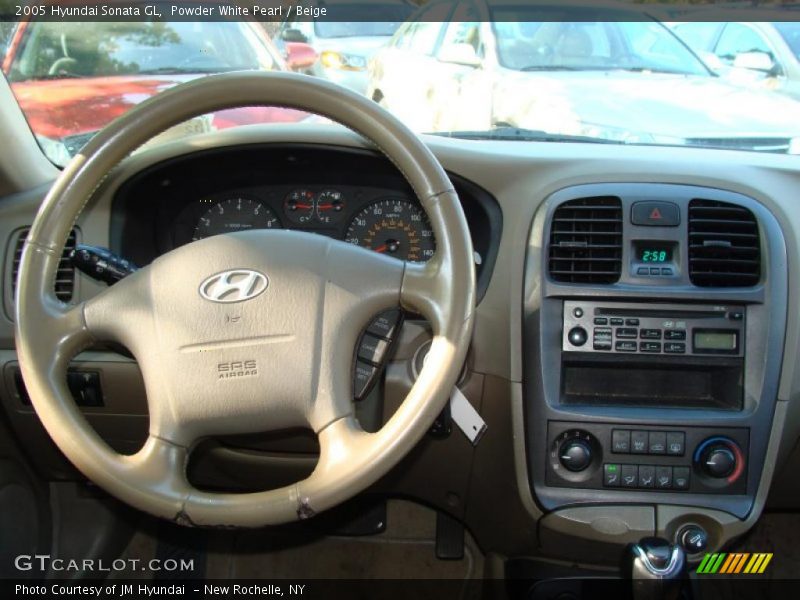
466, 417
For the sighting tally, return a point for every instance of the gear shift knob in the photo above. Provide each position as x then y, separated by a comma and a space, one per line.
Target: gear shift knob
656, 569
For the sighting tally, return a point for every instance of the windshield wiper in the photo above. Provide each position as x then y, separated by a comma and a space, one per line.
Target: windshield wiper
649, 70
552, 68
181, 71
52, 77
522, 134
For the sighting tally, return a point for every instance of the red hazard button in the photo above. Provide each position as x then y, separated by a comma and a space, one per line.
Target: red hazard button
655, 213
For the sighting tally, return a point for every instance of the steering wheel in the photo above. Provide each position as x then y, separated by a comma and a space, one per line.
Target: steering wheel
301, 300
63, 66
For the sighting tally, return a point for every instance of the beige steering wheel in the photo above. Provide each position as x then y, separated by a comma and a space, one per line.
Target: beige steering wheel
297, 335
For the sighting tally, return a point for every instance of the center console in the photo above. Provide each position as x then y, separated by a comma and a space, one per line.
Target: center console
654, 318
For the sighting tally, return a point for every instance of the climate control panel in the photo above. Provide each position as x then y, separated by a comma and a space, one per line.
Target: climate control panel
647, 457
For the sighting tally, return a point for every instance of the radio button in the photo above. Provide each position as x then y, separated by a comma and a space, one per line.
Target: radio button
676, 443
611, 475
632, 322
680, 478
602, 333
617, 321
643, 271
601, 345
630, 476
663, 477
667, 271
650, 334
639, 442
626, 333
600, 321
650, 346
675, 334
675, 348
657, 442
655, 271
647, 476
621, 441
625, 346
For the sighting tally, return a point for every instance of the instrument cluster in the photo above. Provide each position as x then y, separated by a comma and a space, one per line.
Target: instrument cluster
380, 220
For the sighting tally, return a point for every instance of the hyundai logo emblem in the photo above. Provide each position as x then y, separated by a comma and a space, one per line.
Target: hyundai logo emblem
236, 285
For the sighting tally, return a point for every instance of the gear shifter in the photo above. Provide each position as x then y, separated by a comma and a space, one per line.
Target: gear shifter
656, 569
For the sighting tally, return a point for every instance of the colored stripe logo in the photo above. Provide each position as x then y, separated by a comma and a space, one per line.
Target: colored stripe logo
735, 563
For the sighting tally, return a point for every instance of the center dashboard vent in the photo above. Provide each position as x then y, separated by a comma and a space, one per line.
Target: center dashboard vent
65, 277
724, 245
586, 241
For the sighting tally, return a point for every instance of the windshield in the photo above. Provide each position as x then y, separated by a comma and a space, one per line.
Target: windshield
349, 25
496, 70
790, 32
597, 46
62, 50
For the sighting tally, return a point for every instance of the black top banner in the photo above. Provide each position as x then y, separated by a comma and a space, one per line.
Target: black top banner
377, 10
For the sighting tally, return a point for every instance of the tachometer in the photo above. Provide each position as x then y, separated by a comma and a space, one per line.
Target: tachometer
234, 214
396, 227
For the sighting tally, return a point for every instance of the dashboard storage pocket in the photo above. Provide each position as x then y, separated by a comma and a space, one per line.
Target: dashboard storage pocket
716, 384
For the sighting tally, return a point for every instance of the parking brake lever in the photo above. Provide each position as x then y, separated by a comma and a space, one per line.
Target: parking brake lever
101, 264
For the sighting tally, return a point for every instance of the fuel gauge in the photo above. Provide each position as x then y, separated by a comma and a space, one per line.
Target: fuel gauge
330, 206
299, 206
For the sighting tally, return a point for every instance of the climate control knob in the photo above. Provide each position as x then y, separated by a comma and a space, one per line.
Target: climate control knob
719, 462
575, 455
720, 458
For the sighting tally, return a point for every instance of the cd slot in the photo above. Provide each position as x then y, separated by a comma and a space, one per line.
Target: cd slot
658, 314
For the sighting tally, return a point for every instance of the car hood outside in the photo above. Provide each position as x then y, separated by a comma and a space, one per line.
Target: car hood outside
365, 46
666, 108
62, 108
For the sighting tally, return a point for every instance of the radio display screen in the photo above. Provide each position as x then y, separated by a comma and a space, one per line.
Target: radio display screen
715, 341
654, 253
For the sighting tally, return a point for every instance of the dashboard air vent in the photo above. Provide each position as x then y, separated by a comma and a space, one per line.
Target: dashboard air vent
724, 246
586, 241
65, 278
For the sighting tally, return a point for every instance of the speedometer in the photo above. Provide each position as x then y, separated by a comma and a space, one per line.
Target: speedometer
234, 214
396, 227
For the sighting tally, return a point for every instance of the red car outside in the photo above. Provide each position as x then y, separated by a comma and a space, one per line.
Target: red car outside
71, 79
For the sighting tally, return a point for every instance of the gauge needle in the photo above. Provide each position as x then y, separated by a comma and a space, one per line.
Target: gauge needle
303, 206
381, 248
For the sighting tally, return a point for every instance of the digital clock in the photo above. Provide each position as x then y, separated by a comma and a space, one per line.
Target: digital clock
654, 253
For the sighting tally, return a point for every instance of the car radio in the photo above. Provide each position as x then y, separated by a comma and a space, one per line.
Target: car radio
665, 355
678, 330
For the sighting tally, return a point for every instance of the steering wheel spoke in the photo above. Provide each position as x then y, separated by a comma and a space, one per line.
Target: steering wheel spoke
159, 465
122, 313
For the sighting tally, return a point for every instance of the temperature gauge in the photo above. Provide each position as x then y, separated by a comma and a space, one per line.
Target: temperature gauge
330, 206
299, 207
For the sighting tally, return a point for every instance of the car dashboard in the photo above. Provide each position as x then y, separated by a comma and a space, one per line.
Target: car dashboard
634, 354
352, 196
